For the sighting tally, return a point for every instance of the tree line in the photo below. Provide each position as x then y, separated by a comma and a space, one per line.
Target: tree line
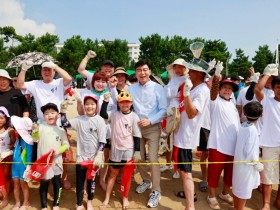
159, 51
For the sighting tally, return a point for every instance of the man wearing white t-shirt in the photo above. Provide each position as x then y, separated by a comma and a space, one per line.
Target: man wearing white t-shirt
194, 98
46, 90
270, 133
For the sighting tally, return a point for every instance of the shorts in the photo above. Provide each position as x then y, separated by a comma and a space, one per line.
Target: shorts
203, 139
18, 170
181, 156
270, 174
115, 165
215, 170
118, 155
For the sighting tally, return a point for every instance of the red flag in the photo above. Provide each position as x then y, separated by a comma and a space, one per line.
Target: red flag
128, 170
41, 166
92, 171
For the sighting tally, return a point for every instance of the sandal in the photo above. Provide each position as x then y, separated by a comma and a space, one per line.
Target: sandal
181, 194
213, 203
203, 186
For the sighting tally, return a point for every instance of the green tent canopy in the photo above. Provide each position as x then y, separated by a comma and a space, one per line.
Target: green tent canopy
164, 75
129, 72
79, 76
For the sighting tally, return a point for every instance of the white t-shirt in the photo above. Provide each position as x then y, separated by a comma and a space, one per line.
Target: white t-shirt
172, 89
44, 93
187, 135
4, 141
270, 133
52, 137
242, 101
123, 128
267, 93
90, 131
224, 126
247, 148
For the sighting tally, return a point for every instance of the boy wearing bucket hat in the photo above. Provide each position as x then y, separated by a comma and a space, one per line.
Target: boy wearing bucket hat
224, 120
91, 133
125, 141
53, 137
22, 158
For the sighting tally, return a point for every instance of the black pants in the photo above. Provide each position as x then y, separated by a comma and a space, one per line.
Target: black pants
57, 187
80, 180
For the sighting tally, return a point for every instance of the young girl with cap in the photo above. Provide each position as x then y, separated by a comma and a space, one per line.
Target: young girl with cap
125, 147
247, 149
7, 140
91, 132
22, 159
225, 124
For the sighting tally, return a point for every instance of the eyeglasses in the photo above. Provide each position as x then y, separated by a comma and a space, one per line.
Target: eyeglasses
142, 70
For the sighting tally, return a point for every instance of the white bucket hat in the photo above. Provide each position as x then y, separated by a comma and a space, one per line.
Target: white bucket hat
179, 61
4, 73
23, 126
195, 67
5, 111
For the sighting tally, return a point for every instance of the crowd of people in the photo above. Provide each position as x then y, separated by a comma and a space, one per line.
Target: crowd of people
121, 123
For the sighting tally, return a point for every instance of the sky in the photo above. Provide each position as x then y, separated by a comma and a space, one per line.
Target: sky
245, 24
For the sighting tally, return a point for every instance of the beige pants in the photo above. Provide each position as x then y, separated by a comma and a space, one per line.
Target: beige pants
150, 136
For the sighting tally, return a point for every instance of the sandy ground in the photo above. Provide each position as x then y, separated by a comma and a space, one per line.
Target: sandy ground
137, 201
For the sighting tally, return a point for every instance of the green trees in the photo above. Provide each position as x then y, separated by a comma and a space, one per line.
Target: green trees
263, 57
240, 65
159, 51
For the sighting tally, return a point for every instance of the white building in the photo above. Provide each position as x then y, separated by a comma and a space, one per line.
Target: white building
133, 50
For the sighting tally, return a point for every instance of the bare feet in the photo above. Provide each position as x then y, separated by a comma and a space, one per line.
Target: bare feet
89, 205
125, 203
66, 185
4, 203
103, 206
80, 207
16, 206
55, 208
266, 206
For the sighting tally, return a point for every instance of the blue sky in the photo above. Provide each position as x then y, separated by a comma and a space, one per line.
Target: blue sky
244, 24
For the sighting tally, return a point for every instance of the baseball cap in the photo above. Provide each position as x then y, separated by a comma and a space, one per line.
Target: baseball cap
49, 106
108, 62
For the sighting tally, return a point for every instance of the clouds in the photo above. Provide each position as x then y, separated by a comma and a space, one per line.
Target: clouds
12, 14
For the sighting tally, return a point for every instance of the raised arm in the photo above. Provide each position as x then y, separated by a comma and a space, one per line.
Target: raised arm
82, 67
21, 77
214, 91
268, 71
67, 79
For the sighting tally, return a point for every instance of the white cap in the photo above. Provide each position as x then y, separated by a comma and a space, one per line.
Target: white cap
4, 73
5, 111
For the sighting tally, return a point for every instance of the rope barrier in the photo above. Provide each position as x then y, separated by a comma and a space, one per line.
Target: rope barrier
159, 163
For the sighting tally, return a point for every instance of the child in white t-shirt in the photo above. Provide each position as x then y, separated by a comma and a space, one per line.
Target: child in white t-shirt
91, 132
125, 144
247, 149
51, 137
